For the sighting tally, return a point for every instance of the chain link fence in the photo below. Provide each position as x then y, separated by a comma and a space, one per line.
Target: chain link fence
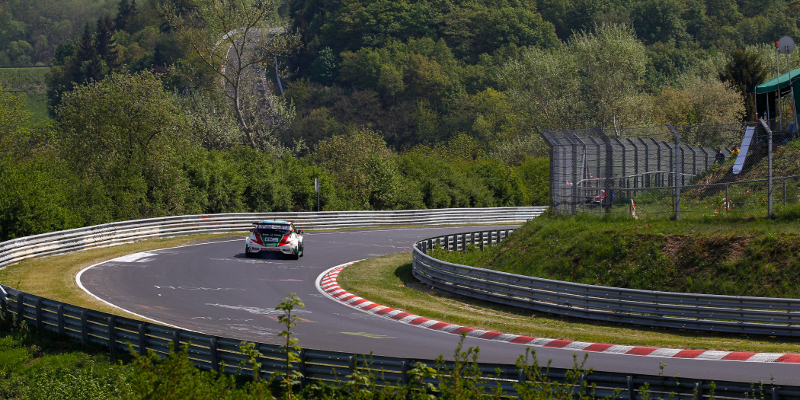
670, 171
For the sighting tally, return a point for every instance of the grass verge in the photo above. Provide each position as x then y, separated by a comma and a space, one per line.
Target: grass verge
388, 281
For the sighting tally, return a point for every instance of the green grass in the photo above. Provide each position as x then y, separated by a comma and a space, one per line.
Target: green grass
718, 255
388, 281
32, 82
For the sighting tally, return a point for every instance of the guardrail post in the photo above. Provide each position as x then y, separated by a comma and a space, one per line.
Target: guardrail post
303, 377
775, 393
39, 322
143, 339
521, 377
698, 390
446, 242
61, 320
404, 371
20, 306
84, 328
464, 242
3, 304
631, 389
176, 340
481, 239
112, 334
212, 345
351, 364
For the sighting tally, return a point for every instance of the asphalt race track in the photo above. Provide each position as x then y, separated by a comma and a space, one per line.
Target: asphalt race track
212, 288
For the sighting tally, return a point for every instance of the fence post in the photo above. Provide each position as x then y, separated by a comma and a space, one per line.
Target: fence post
678, 172
727, 198
784, 191
609, 171
769, 173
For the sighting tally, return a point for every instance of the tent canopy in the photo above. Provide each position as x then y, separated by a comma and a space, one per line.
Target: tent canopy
783, 80
767, 93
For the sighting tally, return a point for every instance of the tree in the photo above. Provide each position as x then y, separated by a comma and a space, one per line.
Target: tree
128, 133
363, 167
543, 87
744, 72
239, 40
613, 64
105, 44
125, 11
87, 64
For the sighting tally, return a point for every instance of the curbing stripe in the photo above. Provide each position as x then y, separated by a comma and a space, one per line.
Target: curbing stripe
327, 284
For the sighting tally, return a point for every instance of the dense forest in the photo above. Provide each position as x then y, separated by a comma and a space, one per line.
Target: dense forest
392, 103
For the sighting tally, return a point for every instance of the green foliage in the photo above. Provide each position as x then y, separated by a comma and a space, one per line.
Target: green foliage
176, 377
363, 167
464, 376
127, 132
290, 377
745, 71
537, 384
723, 257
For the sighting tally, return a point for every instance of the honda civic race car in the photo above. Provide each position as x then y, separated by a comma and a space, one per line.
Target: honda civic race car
274, 236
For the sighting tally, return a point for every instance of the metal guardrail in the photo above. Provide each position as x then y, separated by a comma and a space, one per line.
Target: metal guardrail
110, 234
211, 352
737, 314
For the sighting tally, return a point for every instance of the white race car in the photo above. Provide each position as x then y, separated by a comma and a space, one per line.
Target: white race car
270, 236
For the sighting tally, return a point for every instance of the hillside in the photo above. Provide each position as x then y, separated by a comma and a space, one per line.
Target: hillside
754, 257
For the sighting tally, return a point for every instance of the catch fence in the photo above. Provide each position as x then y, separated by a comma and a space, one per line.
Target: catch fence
667, 171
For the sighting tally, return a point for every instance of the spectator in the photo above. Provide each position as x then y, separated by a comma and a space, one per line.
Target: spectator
735, 152
720, 158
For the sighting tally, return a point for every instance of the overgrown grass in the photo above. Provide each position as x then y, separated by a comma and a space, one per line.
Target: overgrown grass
727, 256
388, 281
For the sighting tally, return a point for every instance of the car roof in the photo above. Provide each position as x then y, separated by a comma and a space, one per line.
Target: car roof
272, 223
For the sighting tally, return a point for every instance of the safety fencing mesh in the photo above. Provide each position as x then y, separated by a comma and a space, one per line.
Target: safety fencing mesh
695, 170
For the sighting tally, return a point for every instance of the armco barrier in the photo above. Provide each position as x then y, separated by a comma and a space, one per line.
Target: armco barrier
15, 250
211, 352
738, 314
